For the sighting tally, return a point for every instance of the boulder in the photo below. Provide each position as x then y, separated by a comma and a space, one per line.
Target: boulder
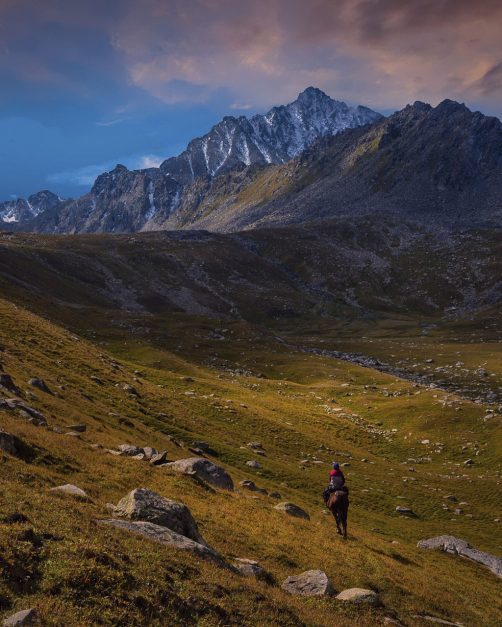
359, 595
456, 546
204, 470
24, 618
147, 506
159, 458
40, 384
71, 490
166, 536
292, 510
253, 464
251, 568
312, 583
31, 414
250, 485
129, 450
130, 389
13, 445
78, 428
406, 511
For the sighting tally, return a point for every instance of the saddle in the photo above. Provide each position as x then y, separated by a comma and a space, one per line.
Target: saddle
334, 488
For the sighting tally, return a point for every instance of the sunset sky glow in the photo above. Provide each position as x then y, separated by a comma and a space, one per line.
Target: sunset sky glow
89, 84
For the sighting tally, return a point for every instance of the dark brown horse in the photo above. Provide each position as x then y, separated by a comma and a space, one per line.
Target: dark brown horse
338, 505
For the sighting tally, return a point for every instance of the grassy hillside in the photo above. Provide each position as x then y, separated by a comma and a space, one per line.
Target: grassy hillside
230, 384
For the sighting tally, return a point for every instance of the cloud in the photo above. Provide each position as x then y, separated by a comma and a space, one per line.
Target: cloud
86, 175
111, 122
380, 52
149, 161
491, 82
253, 54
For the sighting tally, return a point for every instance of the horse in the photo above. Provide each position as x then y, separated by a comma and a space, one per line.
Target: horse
338, 505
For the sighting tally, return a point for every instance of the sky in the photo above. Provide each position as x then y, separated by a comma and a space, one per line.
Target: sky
86, 85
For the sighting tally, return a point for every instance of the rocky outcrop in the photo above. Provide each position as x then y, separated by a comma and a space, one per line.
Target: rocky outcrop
204, 470
310, 583
455, 546
292, 510
359, 595
147, 506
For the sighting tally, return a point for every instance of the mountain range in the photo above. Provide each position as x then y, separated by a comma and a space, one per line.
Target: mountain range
315, 158
124, 201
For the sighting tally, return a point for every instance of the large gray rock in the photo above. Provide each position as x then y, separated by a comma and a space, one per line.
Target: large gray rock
251, 568
359, 595
71, 490
166, 536
292, 510
129, 450
455, 546
310, 583
204, 470
25, 618
148, 506
25, 411
250, 485
78, 428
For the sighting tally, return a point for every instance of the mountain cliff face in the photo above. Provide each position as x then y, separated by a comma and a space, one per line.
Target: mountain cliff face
125, 201
120, 201
436, 165
276, 137
21, 209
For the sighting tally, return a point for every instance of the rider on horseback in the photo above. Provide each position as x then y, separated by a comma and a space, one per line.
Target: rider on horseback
336, 481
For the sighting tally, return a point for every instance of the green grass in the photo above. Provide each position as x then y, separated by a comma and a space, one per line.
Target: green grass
90, 575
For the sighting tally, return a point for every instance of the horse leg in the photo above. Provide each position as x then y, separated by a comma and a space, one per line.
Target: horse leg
344, 516
337, 519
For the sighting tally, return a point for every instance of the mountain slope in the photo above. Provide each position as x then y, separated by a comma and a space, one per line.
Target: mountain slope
440, 164
23, 210
228, 383
128, 201
275, 137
